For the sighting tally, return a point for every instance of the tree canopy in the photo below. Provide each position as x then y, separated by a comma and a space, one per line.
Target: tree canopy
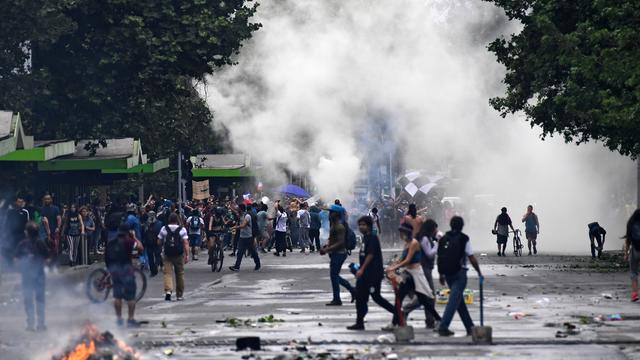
574, 69
114, 68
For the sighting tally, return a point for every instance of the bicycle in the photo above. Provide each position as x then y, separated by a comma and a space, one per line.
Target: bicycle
216, 254
517, 243
99, 284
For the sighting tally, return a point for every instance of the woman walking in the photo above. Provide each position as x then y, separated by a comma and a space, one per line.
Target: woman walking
413, 279
73, 230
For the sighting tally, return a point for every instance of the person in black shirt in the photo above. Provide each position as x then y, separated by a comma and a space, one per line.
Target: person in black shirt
31, 254
370, 274
16, 221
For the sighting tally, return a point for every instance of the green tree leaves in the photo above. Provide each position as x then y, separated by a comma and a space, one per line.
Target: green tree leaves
116, 68
574, 69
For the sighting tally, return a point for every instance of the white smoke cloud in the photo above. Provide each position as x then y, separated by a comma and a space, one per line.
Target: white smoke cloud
309, 81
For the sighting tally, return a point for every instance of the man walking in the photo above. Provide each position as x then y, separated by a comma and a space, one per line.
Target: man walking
453, 250
118, 260
370, 274
15, 223
196, 225
246, 240
152, 230
336, 248
175, 242
31, 254
501, 229
305, 223
54, 218
315, 223
531, 228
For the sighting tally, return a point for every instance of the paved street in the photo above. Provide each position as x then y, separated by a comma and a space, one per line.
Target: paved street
527, 302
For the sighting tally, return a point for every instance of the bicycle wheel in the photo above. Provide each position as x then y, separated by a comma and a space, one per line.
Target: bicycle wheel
520, 247
220, 258
141, 283
98, 286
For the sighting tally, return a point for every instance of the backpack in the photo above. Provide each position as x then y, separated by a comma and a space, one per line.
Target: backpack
116, 253
635, 236
451, 252
195, 223
255, 231
115, 219
350, 240
173, 245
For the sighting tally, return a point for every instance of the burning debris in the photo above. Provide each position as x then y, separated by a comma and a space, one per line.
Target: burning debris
93, 345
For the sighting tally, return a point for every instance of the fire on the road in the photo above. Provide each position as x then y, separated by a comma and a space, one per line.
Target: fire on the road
95, 345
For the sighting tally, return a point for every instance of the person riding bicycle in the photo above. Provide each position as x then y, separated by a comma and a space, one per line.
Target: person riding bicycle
118, 258
501, 230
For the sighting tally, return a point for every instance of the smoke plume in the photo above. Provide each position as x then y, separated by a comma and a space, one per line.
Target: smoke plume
313, 80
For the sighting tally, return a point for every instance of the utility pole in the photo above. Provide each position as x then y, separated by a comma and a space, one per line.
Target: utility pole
179, 177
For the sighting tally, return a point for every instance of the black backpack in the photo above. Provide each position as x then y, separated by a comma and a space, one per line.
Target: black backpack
255, 231
451, 252
115, 219
173, 245
116, 252
195, 223
350, 240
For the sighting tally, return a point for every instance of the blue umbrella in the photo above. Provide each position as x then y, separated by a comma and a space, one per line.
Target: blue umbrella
292, 190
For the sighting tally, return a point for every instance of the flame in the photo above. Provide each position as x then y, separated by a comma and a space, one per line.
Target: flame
93, 343
82, 351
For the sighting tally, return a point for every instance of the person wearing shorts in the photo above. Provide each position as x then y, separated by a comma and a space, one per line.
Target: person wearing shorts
501, 229
531, 228
195, 224
118, 257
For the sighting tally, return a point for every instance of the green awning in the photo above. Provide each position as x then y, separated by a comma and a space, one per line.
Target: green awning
88, 164
209, 173
43, 151
148, 168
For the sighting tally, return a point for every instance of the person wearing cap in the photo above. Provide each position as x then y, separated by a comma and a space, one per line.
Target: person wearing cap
118, 255
336, 248
150, 236
501, 229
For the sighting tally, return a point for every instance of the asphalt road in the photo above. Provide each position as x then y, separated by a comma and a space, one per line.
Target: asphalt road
527, 301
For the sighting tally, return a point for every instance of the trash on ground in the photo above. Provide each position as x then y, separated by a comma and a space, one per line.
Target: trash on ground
543, 302
614, 317
519, 315
168, 352
386, 338
269, 319
607, 296
442, 296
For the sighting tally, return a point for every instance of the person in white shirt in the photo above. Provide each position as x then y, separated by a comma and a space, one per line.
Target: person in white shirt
195, 223
174, 240
304, 221
281, 230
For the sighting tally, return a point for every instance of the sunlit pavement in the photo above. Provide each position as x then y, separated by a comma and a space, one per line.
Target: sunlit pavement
527, 302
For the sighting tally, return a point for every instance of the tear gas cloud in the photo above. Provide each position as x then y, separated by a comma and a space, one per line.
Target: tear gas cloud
317, 73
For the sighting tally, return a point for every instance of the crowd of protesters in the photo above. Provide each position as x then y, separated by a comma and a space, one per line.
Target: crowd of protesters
166, 236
